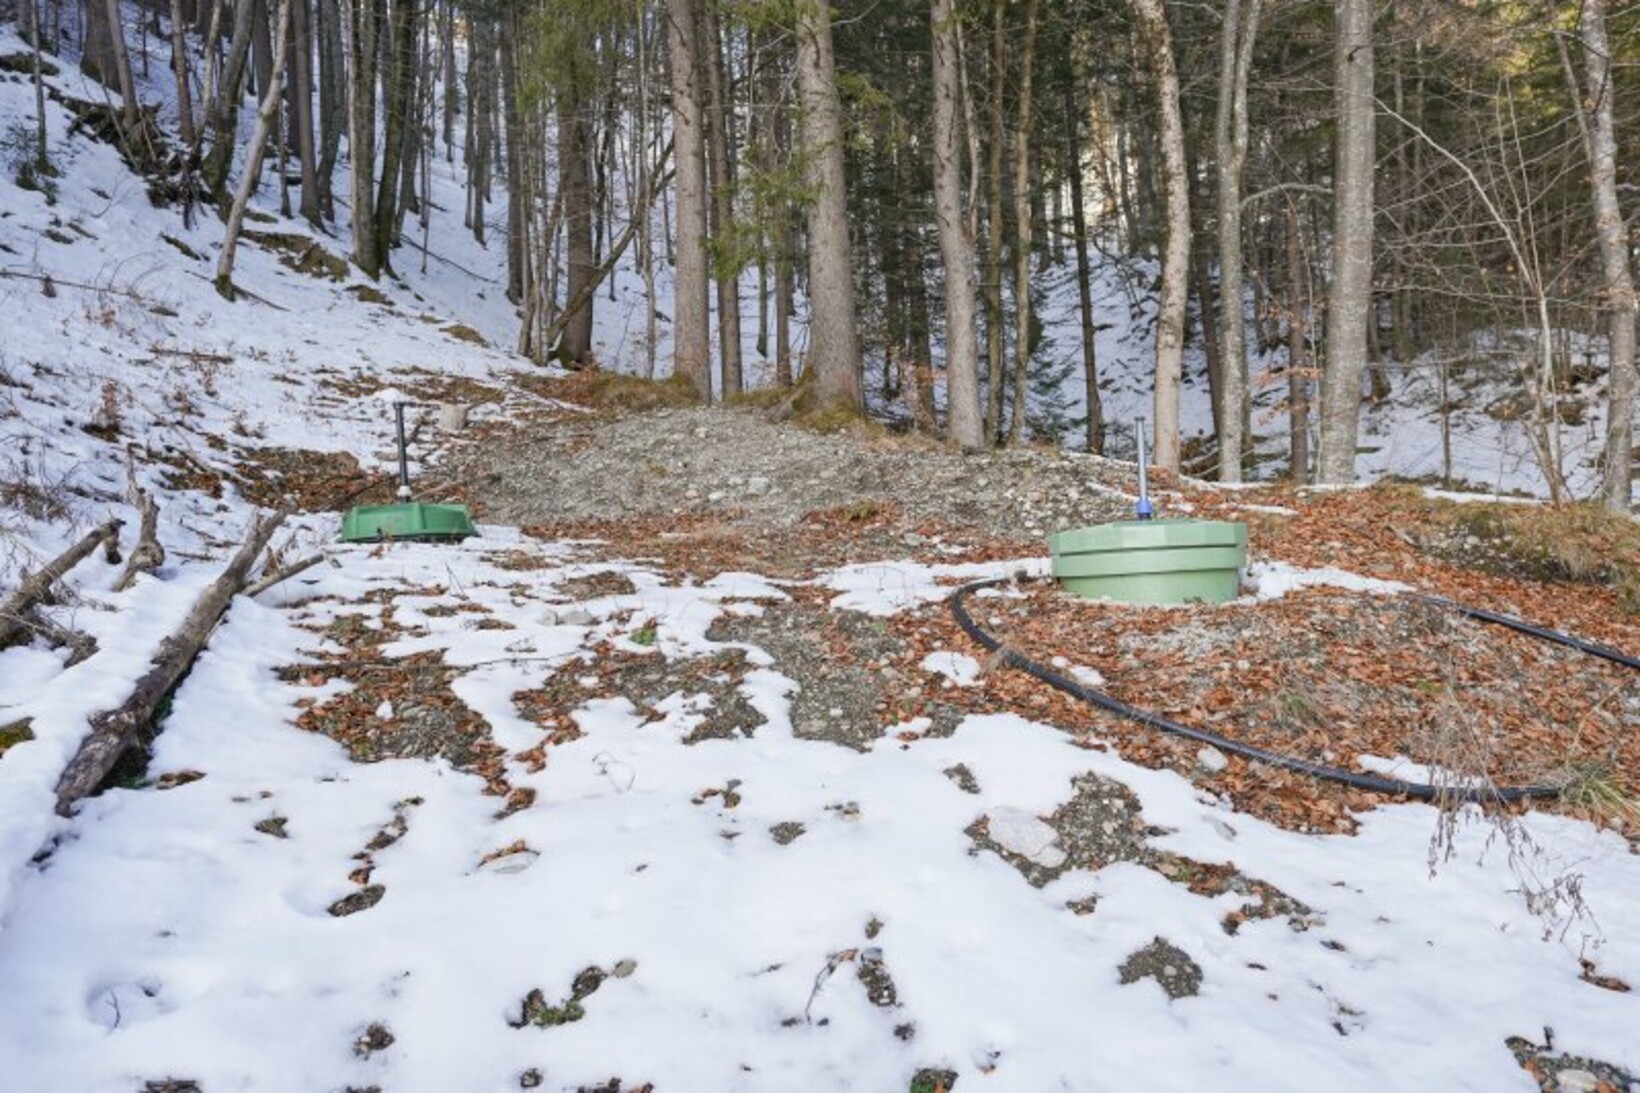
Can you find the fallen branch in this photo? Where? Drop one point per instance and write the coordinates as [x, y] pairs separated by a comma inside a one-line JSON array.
[[81, 646], [114, 731], [148, 555], [34, 590], [192, 354], [57, 282], [268, 580]]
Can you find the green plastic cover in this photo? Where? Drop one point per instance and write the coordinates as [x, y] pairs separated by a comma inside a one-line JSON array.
[[410, 520]]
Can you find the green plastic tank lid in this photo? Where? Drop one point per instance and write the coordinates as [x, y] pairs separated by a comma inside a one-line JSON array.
[[411, 520]]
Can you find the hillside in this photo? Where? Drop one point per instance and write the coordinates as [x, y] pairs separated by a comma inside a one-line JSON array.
[[682, 776]]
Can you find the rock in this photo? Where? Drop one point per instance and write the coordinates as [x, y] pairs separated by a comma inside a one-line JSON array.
[[1019, 832], [577, 616], [1576, 1081], [758, 486], [715, 496], [1211, 760], [623, 968]]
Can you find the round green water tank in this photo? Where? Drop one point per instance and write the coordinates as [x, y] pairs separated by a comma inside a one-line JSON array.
[[1152, 561]]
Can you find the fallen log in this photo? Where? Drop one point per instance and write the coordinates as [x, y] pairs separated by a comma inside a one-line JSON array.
[[114, 731], [148, 555], [33, 591]]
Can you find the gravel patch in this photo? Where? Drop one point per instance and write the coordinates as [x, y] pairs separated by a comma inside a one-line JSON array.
[[734, 461]]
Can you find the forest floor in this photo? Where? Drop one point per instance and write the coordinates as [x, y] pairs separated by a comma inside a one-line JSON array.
[[681, 777]]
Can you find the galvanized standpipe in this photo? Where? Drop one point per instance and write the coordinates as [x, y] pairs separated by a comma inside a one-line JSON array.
[[1143, 510], [404, 460]]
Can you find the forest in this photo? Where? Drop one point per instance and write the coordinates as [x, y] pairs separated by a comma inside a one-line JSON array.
[[864, 199]]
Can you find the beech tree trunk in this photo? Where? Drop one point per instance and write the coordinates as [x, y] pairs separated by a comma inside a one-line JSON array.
[[1230, 147], [691, 332], [719, 119], [253, 156], [1349, 295], [225, 111], [301, 94], [1022, 229], [364, 48], [179, 69], [575, 190], [1084, 272], [834, 353], [993, 224], [963, 417], [1176, 252], [1617, 485]]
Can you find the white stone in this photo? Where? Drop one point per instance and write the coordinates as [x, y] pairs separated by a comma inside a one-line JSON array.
[[1019, 832], [1576, 1081], [1211, 760]]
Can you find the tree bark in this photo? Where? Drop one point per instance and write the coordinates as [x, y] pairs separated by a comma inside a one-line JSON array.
[[253, 157], [179, 69], [1617, 485], [333, 114], [301, 87], [113, 731], [691, 333], [1230, 146], [397, 77], [963, 417], [1349, 295], [1298, 355], [834, 354], [364, 49], [1176, 252], [1084, 272], [719, 160], [1022, 228], [993, 223]]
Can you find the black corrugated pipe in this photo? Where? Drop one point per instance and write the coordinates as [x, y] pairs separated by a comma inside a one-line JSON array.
[[1370, 782]]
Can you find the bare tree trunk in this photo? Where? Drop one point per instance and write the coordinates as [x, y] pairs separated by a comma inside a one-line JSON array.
[[333, 115], [179, 69], [1022, 228], [574, 187], [253, 155], [834, 353], [397, 97], [1230, 146], [719, 115], [364, 49], [691, 333], [964, 420], [1298, 355], [1084, 269], [225, 111], [301, 86], [1349, 295], [1176, 254], [993, 224], [512, 118], [1617, 485]]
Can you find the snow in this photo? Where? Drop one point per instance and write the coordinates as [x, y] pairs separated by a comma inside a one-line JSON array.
[[158, 933], [1271, 580]]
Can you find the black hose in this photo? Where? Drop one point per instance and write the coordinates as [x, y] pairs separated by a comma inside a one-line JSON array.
[[1372, 783]]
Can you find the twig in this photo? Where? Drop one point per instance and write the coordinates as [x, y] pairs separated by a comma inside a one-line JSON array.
[[268, 580], [56, 282]]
